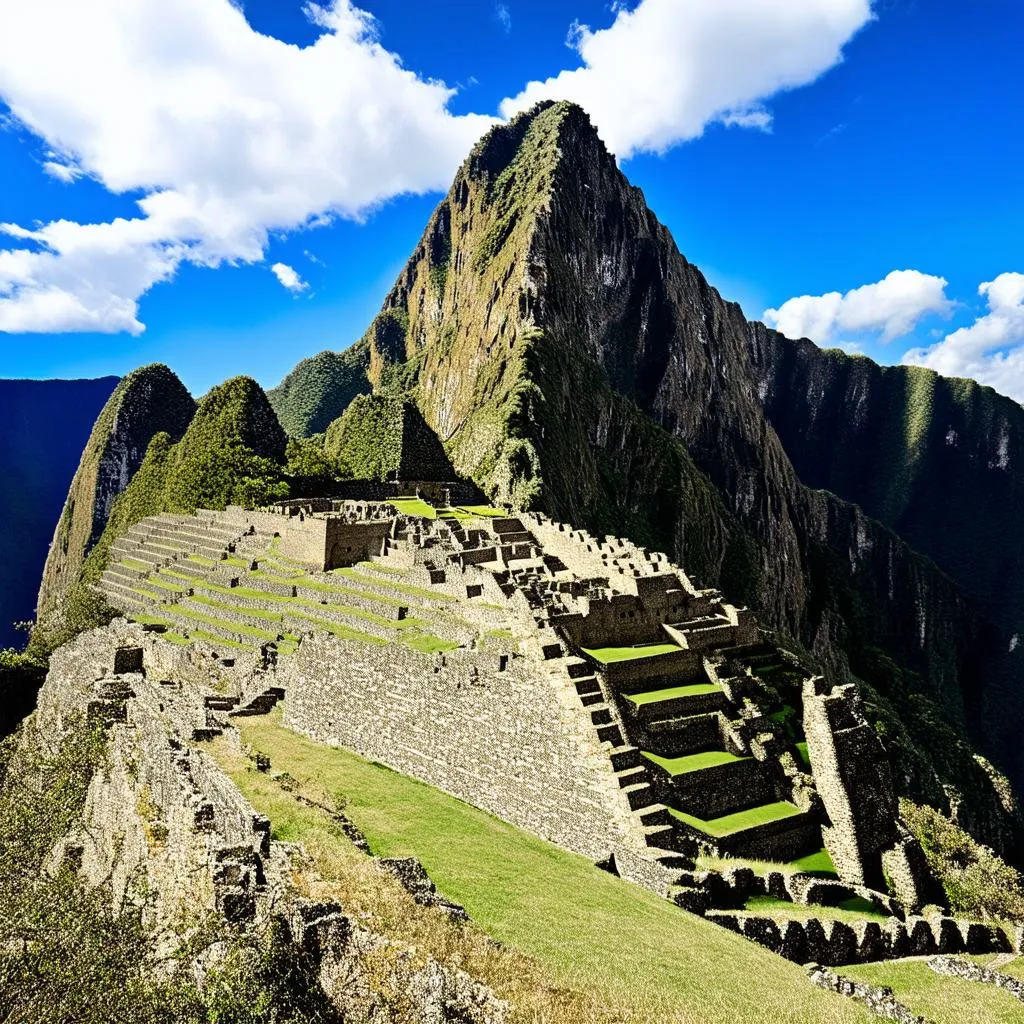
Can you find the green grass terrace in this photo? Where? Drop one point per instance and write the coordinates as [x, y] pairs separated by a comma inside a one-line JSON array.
[[611, 655]]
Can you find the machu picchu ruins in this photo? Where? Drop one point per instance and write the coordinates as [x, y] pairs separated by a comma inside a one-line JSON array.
[[582, 689], [569, 649]]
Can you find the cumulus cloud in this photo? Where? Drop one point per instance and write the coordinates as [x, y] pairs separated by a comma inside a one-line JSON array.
[[288, 277], [990, 350], [891, 307], [664, 70], [226, 133]]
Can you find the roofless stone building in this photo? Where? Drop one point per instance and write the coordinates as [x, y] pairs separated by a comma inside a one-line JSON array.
[[586, 690]]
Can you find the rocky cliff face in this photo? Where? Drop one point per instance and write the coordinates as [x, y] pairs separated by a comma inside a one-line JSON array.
[[572, 359], [144, 403], [938, 460], [44, 425]]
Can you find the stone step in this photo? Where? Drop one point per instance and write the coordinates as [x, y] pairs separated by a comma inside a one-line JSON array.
[[628, 776], [639, 795], [625, 756], [610, 733], [590, 699], [587, 685], [578, 668], [655, 814], [600, 714], [661, 836]]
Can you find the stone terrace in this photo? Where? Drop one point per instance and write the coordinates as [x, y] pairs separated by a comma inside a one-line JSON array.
[[671, 687]]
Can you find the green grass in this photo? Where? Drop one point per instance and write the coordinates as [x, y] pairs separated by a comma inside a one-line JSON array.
[[134, 563], [299, 606], [414, 507], [201, 560], [235, 627], [427, 643], [155, 580], [850, 911], [940, 999], [585, 927], [224, 606], [467, 513], [609, 655], [731, 823], [694, 762], [404, 588], [801, 751], [819, 863], [656, 696]]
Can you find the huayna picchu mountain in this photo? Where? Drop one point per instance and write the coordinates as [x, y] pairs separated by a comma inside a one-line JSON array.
[[572, 360]]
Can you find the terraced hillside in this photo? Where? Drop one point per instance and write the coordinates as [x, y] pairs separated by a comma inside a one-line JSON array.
[[210, 578]]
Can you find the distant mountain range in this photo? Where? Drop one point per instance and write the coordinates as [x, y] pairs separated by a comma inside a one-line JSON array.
[[44, 425]]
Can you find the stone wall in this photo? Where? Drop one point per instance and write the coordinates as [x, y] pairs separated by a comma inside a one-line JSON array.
[[854, 779], [511, 741]]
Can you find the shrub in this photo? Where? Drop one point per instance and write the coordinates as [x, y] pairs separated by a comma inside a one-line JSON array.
[[976, 881]]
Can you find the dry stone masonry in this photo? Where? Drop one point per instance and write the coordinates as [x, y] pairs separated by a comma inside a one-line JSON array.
[[583, 689]]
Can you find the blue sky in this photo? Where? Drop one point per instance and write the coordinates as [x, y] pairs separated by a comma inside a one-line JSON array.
[[801, 152]]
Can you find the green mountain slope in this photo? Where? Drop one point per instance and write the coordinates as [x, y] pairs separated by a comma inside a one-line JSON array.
[[148, 401], [571, 359], [319, 390]]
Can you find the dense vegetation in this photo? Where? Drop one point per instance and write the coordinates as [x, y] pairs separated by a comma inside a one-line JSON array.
[[975, 880], [233, 452], [319, 390], [44, 426], [367, 439]]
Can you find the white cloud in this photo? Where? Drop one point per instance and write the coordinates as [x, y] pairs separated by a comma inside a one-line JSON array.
[[991, 350], [62, 171], [289, 277], [228, 135], [891, 307], [502, 13], [663, 71]]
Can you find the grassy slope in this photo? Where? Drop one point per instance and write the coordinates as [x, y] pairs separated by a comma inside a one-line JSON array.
[[943, 1000], [585, 927]]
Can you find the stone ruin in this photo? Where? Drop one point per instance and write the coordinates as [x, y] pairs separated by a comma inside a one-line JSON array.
[[585, 690]]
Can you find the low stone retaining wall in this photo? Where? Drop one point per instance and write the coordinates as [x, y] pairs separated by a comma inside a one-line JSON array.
[[836, 942], [879, 1001], [490, 728], [975, 972]]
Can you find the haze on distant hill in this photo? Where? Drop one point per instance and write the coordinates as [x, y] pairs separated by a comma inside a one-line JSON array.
[[44, 425]]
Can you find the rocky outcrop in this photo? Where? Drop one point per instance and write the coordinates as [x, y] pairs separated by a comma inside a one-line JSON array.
[[146, 402], [571, 359]]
